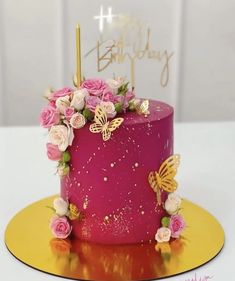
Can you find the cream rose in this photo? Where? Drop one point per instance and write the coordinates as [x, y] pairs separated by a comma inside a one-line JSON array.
[[63, 170], [77, 120], [60, 206], [62, 136], [114, 84], [62, 103], [163, 234], [48, 93], [78, 100], [109, 108], [172, 204]]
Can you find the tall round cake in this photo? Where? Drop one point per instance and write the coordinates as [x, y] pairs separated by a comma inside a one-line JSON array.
[[116, 163], [108, 180]]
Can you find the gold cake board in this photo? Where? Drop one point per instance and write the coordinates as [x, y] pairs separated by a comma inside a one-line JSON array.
[[29, 239]]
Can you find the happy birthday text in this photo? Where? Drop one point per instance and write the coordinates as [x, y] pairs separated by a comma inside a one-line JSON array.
[[115, 51]]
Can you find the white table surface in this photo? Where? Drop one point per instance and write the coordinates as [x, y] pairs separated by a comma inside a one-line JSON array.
[[206, 176]]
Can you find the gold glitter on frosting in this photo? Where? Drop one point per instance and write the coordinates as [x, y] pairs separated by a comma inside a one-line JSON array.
[[85, 203]]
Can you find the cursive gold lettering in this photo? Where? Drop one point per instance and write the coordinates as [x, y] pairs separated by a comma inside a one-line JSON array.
[[111, 51]]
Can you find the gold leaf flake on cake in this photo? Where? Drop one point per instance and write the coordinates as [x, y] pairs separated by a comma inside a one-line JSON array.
[[102, 125], [85, 203], [106, 220], [164, 178], [74, 213]]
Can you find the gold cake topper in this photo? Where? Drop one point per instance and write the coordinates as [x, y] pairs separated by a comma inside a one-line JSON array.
[[119, 51], [164, 178]]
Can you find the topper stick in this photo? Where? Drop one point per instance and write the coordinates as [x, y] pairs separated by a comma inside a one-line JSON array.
[[78, 47]]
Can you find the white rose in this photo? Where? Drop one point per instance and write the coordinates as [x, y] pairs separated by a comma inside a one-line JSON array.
[[70, 132], [60, 206], [62, 103], [78, 100], [109, 108], [77, 120], [114, 84], [172, 204], [62, 136], [163, 234]]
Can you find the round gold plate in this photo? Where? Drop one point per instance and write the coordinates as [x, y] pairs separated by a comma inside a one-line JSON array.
[[28, 238]]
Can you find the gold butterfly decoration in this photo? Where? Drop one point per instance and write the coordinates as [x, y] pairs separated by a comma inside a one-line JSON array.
[[102, 125], [74, 212], [164, 178], [143, 108]]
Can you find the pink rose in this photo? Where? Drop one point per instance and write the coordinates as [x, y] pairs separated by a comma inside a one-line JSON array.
[[127, 98], [176, 225], [107, 95], [60, 227], [49, 116], [95, 87], [61, 93], [68, 112], [92, 102], [118, 99], [53, 152], [52, 103]]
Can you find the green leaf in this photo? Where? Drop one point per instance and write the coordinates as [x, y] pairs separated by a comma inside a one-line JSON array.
[[66, 156], [118, 107], [165, 221], [49, 207], [123, 89], [87, 114]]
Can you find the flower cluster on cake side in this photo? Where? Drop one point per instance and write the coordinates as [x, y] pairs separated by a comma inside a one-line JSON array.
[[98, 102], [163, 180], [173, 224], [64, 213]]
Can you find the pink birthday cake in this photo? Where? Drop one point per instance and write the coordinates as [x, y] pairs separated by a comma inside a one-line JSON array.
[[116, 163]]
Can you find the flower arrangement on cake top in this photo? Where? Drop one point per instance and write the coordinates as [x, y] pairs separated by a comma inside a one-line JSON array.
[[69, 109]]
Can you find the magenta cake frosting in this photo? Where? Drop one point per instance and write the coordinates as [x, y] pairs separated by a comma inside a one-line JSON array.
[[107, 180]]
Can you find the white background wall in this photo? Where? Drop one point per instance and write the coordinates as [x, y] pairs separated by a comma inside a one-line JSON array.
[[37, 49]]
